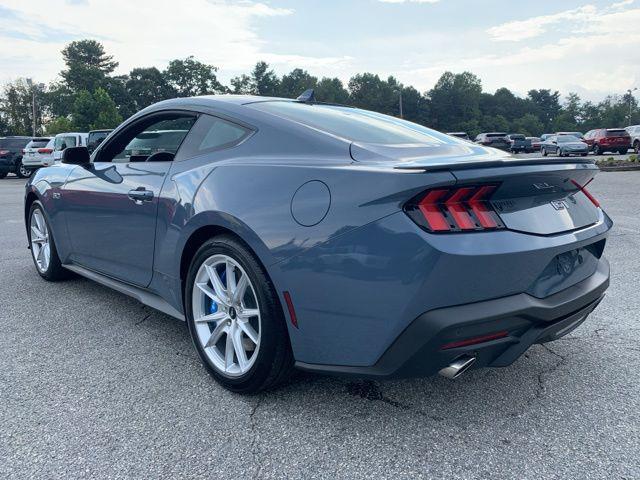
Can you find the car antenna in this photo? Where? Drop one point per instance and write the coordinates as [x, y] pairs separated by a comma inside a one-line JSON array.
[[307, 96]]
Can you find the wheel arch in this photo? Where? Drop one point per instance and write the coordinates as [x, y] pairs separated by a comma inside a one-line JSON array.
[[204, 233]]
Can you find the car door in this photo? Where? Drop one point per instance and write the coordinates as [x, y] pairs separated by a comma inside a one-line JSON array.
[[111, 204]]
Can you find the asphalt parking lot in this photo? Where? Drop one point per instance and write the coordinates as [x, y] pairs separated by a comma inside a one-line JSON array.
[[94, 384]]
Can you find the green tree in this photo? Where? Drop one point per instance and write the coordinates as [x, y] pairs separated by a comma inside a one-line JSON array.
[[369, 91], [93, 111], [87, 65], [16, 107], [147, 86], [296, 82], [116, 87], [547, 106], [331, 90], [59, 125], [264, 80], [189, 77], [455, 100], [528, 124]]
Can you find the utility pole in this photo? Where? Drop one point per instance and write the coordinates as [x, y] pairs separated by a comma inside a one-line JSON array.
[[630, 92], [400, 102], [33, 105]]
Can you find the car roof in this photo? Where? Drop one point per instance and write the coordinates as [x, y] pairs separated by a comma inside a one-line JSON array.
[[71, 133], [100, 130]]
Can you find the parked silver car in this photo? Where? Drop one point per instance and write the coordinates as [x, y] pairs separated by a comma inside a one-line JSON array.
[[634, 132], [563, 146]]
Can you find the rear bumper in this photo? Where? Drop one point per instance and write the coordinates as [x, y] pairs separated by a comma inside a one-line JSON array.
[[527, 320]]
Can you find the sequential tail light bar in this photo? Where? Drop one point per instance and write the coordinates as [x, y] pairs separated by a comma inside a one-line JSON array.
[[458, 209]]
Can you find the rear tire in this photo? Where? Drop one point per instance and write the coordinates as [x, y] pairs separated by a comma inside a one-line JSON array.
[[273, 364], [597, 150], [636, 147], [623, 151], [43, 246], [2, 175], [21, 171]]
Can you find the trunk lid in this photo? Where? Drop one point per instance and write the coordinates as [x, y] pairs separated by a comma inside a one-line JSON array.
[[534, 195]]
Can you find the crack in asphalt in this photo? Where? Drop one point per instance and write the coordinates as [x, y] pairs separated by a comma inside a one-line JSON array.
[[254, 439], [143, 320], [370, 390]]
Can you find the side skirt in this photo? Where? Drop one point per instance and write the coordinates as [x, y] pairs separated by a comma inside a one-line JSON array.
[[143, 296]]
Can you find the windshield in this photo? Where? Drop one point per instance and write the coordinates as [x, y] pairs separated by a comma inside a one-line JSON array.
[[516, 137], [355, 124], [567, 139]]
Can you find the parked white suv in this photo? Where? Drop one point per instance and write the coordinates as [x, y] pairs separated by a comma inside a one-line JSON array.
[[69, 139], [634, 132], [38, 153]]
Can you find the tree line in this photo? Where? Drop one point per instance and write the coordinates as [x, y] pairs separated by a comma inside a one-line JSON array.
[[88, 95]]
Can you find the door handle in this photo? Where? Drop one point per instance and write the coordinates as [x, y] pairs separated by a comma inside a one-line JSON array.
[[140, 195]]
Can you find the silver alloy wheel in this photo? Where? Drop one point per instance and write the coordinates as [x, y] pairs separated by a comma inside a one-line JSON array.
[[25, 172], [226, 315], [40, 247]]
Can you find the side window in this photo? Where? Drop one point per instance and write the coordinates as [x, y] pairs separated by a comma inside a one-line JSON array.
[[60, 143], [156, 139], [210, 134]]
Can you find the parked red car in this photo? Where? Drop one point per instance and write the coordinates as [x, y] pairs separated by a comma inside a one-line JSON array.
[[603, 140]]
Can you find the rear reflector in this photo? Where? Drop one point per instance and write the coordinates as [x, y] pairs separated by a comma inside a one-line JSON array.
[[292, 312], [475, 340], [455, 209]]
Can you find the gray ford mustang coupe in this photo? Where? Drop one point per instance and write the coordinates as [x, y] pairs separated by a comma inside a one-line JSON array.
[[294, 234]]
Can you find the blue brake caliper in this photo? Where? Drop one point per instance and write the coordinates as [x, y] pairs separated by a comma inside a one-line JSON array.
[[213, 306]]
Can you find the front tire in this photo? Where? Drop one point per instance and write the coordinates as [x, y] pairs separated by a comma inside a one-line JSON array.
[[543, 151], [43, 247], [235, 319], [597, 150], [636, 147]]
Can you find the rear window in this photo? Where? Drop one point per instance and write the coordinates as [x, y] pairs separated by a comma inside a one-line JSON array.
[[496, 135], [618, 132], [38, 143], [517, 137], [533, 139], [13, 143], [355, 124]]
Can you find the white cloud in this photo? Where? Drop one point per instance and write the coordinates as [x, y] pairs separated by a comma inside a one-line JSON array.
[[139, 33], [568, 20], [594, 59]]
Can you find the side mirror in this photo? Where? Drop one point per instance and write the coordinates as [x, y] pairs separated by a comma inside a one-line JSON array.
[[75, 156]]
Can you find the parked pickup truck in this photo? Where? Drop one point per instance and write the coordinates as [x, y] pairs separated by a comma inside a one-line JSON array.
[[519, 143]]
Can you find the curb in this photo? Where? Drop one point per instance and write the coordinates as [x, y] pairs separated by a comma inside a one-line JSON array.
[[619, 168]]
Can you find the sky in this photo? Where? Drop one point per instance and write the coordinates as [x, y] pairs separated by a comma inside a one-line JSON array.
[[592, 48]]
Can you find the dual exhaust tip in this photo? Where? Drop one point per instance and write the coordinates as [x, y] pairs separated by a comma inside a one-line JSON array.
[[457, 367]]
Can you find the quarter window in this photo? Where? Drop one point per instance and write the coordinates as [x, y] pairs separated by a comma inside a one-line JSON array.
[[210, 134]]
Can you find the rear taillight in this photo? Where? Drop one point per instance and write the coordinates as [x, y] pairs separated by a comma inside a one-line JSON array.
[[461, 209], [583, 189], [45, 150], [4, 152]]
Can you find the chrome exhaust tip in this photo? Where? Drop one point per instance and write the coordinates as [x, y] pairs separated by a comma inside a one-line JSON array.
[[457, 367]]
